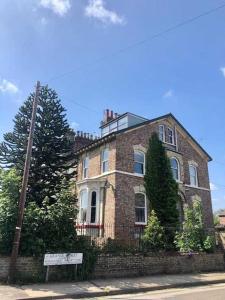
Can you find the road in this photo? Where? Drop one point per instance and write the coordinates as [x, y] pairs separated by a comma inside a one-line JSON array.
[[209, 292]]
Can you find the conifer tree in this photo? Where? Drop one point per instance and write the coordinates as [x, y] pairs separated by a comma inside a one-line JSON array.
[[154, 235], [161, 188], [52, 154]]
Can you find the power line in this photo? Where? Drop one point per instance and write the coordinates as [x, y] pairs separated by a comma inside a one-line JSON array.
[[147, 40]]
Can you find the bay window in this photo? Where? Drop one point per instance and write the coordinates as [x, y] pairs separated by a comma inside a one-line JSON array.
[[83, 206]]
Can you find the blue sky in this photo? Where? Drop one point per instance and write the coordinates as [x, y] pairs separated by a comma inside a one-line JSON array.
[[182, 71]]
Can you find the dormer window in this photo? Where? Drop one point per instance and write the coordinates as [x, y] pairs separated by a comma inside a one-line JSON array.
[[162, 133], [170, 136]]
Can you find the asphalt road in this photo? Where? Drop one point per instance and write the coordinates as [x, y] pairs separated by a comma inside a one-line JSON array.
[[209, 292]]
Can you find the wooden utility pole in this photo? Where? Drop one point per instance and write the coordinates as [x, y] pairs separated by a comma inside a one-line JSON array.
[[22, 200]]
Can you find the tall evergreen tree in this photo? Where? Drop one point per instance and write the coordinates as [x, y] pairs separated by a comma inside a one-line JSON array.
[[161, 188], [52, 154]]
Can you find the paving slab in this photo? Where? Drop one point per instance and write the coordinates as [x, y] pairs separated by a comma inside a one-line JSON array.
[[105, 287]]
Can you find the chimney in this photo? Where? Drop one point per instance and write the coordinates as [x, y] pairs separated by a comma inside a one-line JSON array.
[[108, 116]]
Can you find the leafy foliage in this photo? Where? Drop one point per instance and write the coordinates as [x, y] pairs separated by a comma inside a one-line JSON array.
[[161, 188], [9, 196], [52, 154], [46, 228], [193, 237], [216, 219], [154, 235]]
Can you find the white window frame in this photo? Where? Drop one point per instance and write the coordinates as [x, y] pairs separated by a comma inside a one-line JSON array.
[[96, 206], [140, 223], [80, 206], [85, 167], [139, 151], [178, 167], [103, 161], [163, 133], [169, 129], [196, 175]]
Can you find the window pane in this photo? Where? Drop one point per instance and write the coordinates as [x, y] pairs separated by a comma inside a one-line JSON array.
[[105, 166], [175, 174], [138, 157], [139, 168], [140, 208], [93, 199], [105, 154], [193, 175], [113, 127], [174, 168], [139, 197], [122, 121], [85, 167], [105, 130], [161, 133], [139, 215], [170, 136], [93, 214], [83, 206]]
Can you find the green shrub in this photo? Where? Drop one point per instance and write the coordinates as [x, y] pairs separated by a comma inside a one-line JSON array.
[[154, 235], [192, 236]]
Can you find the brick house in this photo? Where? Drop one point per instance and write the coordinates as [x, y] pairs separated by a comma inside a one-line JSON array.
[[111, 168]]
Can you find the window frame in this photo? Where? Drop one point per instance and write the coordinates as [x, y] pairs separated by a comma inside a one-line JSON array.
[[145, 208], [85, 168], [169, 129], [80, 207], [196, 175], [178, 168], [104, 161], [93, 206], [140, 152], [163, 133]]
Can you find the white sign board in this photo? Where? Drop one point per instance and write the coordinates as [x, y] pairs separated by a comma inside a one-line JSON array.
[[63, 259]]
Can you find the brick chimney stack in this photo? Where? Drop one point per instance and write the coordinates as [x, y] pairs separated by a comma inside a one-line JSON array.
[[82, 139], [109, 115]]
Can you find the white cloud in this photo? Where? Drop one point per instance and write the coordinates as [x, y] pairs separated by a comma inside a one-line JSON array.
[[59, 7], [222, 69], [168, 94], [213, 187], [96, 9], [8, 87]]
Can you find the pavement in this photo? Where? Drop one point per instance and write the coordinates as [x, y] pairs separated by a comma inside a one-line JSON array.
[[209, 292], [107, 287]]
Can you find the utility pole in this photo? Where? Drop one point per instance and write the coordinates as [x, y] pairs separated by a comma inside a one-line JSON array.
[[22, 200]]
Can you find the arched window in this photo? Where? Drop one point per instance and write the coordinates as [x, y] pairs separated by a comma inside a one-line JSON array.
[[193, 175], [139, 162], [175, 167], [93, 206], [83, 206], [140, 208]]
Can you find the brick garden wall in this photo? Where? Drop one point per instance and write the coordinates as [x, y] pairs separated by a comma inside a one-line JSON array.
[[108, 265], [136, 265], [29, 268]]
